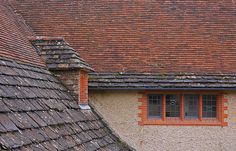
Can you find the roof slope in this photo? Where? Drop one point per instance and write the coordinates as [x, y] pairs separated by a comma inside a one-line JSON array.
[[38, 113], [141, 36], [163, 81], [13, 37]]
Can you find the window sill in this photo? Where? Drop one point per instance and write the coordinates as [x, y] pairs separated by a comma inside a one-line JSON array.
[[186, 122]]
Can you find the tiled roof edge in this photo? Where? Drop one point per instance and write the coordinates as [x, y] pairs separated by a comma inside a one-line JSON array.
[[22, 63], [49, 112], [58, 54], [183, 81], [112, 131]]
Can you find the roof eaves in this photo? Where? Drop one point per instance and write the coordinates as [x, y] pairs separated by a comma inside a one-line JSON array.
[[182, 81]]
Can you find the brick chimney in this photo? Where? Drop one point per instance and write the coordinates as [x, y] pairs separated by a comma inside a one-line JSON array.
[[65, 63]]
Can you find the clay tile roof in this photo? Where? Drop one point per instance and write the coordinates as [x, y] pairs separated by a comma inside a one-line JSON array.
[[57, 53], [142, 36], [36, 111], [13, 37]]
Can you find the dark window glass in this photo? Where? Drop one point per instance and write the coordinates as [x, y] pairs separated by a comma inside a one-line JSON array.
[[172, 105], [154, 105], [191, 106], [209, 105]]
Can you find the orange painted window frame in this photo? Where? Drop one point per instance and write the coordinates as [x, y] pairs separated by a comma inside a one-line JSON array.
[[200, 121]]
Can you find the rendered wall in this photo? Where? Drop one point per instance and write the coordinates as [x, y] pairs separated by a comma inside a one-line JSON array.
[[120, 110]]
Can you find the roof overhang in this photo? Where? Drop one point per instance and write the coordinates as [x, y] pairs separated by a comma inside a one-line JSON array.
[[150, 81]]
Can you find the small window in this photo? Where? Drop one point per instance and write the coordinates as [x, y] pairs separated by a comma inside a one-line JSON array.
[[154, 106], [178, 108], [209, 106], [191, 106], [172, 105]]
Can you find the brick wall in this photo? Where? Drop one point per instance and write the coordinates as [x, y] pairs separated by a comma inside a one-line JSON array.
[[70, 79], [77, 82], [83, 87]]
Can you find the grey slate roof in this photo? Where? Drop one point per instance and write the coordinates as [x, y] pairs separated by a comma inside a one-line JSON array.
[[58, 54], [38, 113], [162, 81]]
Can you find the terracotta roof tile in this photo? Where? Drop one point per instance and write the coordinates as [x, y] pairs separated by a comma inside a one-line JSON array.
[[13, 38], [141, 36]]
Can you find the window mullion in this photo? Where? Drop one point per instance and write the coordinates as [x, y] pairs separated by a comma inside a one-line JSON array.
[[182, 108], [200, 108]]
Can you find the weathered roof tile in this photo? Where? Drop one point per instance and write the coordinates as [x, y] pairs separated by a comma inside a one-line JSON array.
[[73, 114], [50, 132], [37, 147], [70, 141], [37, 118], [6, 122], [162, 81], [46, 117], [35, 103], [90, 146], [49, 146], [2, 129], [24, 120], [56, 144], [58, 54], [40, 114], [77, 139], [3, 107], [65, 117], [82, 137], [6, 141], [25, 140]]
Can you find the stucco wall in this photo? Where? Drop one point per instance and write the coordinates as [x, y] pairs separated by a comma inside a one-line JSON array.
[[120, 110]]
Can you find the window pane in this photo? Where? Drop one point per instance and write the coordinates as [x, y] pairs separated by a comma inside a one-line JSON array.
[[209, 105], [172, 105], [154, 105], [191, 106]]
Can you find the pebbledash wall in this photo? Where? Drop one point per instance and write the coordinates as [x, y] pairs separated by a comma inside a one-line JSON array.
[[120, 110]]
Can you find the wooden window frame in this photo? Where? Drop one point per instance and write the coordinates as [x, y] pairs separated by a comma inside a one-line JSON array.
[[200, 121]]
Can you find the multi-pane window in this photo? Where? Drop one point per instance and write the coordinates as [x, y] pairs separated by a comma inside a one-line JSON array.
[[208, 106], [172, 105], [182, 106], [191, 106], [154, 106]]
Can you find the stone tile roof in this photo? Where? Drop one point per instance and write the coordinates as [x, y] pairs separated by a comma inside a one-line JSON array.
[[162, 81], [57, 54], [38, 113], [141, 36]]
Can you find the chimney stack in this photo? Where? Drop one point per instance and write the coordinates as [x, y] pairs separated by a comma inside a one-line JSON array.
[[64, 62]]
